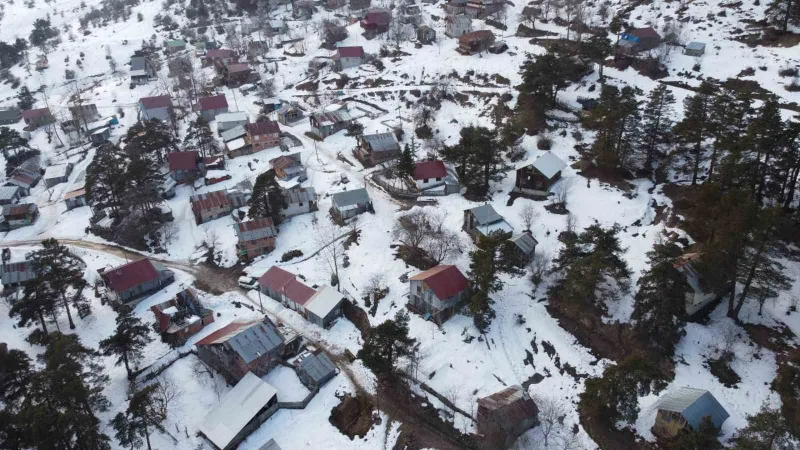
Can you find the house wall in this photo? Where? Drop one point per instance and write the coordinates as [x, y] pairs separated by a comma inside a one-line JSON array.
[[324, 322], [295, 209], [668, 424], [695, 301], [210, 114], [429, 183], [156, 113], [75, 202], [139, 290], [351, 212], [209, 214], [346, 62], [255, 423], [456, 30], [260, 142]]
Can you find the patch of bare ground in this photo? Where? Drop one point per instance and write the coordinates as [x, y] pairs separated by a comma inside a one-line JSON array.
[[354, 416], [414, 258], [614, 177]]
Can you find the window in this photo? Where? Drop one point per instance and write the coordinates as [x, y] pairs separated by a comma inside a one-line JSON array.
[[439, 179], [425, 180], [301, 203], [419, 289]]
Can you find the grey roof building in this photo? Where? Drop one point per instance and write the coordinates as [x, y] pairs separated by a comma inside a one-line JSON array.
[[483, 220], [270, 445], [377, 148], [14, 274], [314, 370], [351, 203], [9, 194], [525, 243], [684, 409], [695, 49], [10, 115]]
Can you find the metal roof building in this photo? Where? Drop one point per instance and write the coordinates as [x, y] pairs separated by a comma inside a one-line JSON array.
[[549, 165], [315, 370], [17, 273], [525, 242], [249, 339], [382, 142], [694, 404], [350, 198]]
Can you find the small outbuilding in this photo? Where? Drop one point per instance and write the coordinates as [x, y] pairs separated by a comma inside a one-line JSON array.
[[426, 35], [210, 107], [314, 369], [695, 48], [231, 120], [483, 221], [57, 174], [504, 416], [524, 245], [10, 115], [378, 148], [349, 204], [10, 194], [684, 410], [324, 306]]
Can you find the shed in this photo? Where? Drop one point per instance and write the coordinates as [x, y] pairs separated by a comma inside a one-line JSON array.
[[538, 177], [525, 244], [324, 306], [10, 194], [378, 148], [10, 115], [16, 273], [233, 133], [351, 203], [695, 48], [54, 175], [240, 412], [483, 220], [684, 409], [230, 121], [315, 369], [505, 415]]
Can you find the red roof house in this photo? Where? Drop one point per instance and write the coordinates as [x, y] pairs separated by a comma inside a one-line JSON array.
[[438, 291], [284, 287], [298, 292], [274, 280], [135, 280], [36, 117], [159, 101], [209, 107], [264, 134], [350, 52], [429, 169], [377, 20], [185, 166]]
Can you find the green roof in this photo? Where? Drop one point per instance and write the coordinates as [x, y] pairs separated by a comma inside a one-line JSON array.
[[176, 43]]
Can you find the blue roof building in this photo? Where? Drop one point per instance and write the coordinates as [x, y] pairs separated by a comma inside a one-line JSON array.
[[684, 409]]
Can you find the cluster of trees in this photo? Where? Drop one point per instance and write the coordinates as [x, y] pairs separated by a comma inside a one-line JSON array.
[[425, 237], [42, 32], [12, 54], [478, 160], [200, 137], [783, 13], [493, 255], [387, 344], [267, 198], [15, 149]]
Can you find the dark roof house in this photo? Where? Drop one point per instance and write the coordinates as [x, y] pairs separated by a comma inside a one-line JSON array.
[[503, 416], [351, 203]]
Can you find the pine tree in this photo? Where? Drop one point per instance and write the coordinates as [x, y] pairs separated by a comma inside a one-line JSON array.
[[143, 179], [127, 433], [696, 126], [660, 304], [730, 117], [615, 26], [153, 138], [543, 76], [766, 134], [200, 137], [782, 13], [656, 123], [38, 300], [406, 164], [477, 159], [15, 373], [25, 100], [11, 141], [766, 430], [386, 343], [355, 129], [617, 121], [129, 339], [61, 269], [267, 199], [485, 265], [143, 413], [105, 178], [597, 48]]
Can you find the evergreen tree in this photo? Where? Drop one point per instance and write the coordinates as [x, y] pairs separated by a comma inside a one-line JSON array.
[[61, 269], [766, 430], [660, 305], [15, 373], [142, 179], [656, 123], [200, 137], [787, 166], [106, 184], [478, 160], [42, 32], [730, 117], [25, 100], [543, 76], [126, 432], [597, 48], [615, 26], [11, 141], [406, 164], [783, 13], [766, 134], [386, 343], [129, 339], [696, 126], [152, 137], [38, 300], [267, 199], [617, 121], [355, 129], [143, 413], [486, 262], [615, 396]]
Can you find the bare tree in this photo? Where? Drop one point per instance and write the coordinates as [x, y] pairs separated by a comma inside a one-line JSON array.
[[571, 223], [528, 215], [207, 377], [331, 250], [170, 232], [413, 228], [443, 246], [551, 418], [539, 265], [562, 190], [375, 283], [451, 393], [167, 390]]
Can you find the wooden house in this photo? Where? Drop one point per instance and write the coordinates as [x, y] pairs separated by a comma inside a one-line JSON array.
[[638, 40], [426, 35], [10, 195], [57, 174], [289, 115], [287, 167], [330, 121], [437, 292], [210, 107], [35, 118], [157, 107], [538, 177], [684, 409], [242, 346], [504, 416], [475, 42], [210, 206], [524, 246], [349, 204], [131, 282], [376, 21], [298, 200], [75, 198], [235, 75], [18, 216], [255, 238], [374, 149], [185, 166], [457, 26], [484, 221]]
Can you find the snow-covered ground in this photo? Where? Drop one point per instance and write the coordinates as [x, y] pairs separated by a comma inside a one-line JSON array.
[[448, 362]]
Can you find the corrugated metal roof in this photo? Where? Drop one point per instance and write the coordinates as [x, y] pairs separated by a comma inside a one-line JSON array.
[[694, 45], [549, 164], [485, 215], [249, 339], [131, 274], [8, 192], [209, 200], [298, 292], [382, 142], [525, 242], [213, 102], [17, 272], [317, 367], [324, 301], [159, 101], [262, 128], [299, 195], [347, 198], [253, 230], [429, 169], [444, 280], [183, 160], [236, 409], [694, 404], [275, 278], [232, 117]]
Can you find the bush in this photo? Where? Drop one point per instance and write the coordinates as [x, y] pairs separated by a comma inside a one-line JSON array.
[[545, 142], [788, 72], [69, 74], [291, 254]]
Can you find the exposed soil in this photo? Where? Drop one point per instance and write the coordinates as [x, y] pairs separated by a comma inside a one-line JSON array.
[[721, 369], [353, 416]]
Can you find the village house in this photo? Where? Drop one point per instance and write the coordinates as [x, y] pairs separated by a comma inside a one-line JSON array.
[[283, 287], [481, 9], [181, 317], [210, 107], [683, 410], [324, 307], [75, 198], [289, 114], [638, 40], [302, 9], [255, 238], [99, 136], [347, 57], [266, 134], [475, 42], [287, 167], [537, 178], [231, 120], [57, 174], [411, 14], [219, 57], [328, 122], [504, 416], [10, 195], [695, 48], [437, 292], [26, 176], [456, 8], [210, 206], [242, 346], [157, 107], [429, 174], [235, 75], [240, 412], [142, 70], [132, 282], [15, 274], [697, 298], [174, 46], [298, 200], [349, 204], [374, 149], [525, 246], [271, 105], [237, 132], [276, 27], [483, 221], [457, 26], [185, 166], [35, 118], [376, 22], [314, 369], [18, 216], [10, 115], [426, 35], [239, 146], [167, 187]]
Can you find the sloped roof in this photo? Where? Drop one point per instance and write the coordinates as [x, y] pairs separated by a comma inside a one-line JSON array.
[[485, 214], [298, 292], [219, 53], [275, 278], [213, 102], [238, 407], [159, 101], [236, 116], [525, 242], [249, 339], [270, 445], [131, 274], [351, 52], [232, 134], [347, 198], [694, 45], [511, 404], [183, 160], [382, 142], [694, 404], [429, 169], [237, 68], [36, 113], [209, 200], [282, 162], [11, 113], [75, 193], [8, 192], [549, 164], [479, 35], [261, 128], [252, 230], [444, 280], [646, 32], [317, 367], [19, 210], [299, 195], [324, 301], [57, 171], [459, 19]]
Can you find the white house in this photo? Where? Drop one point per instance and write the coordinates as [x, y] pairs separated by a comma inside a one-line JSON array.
[[457, 26], [299, 201], [428, 174], [230, 120]]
